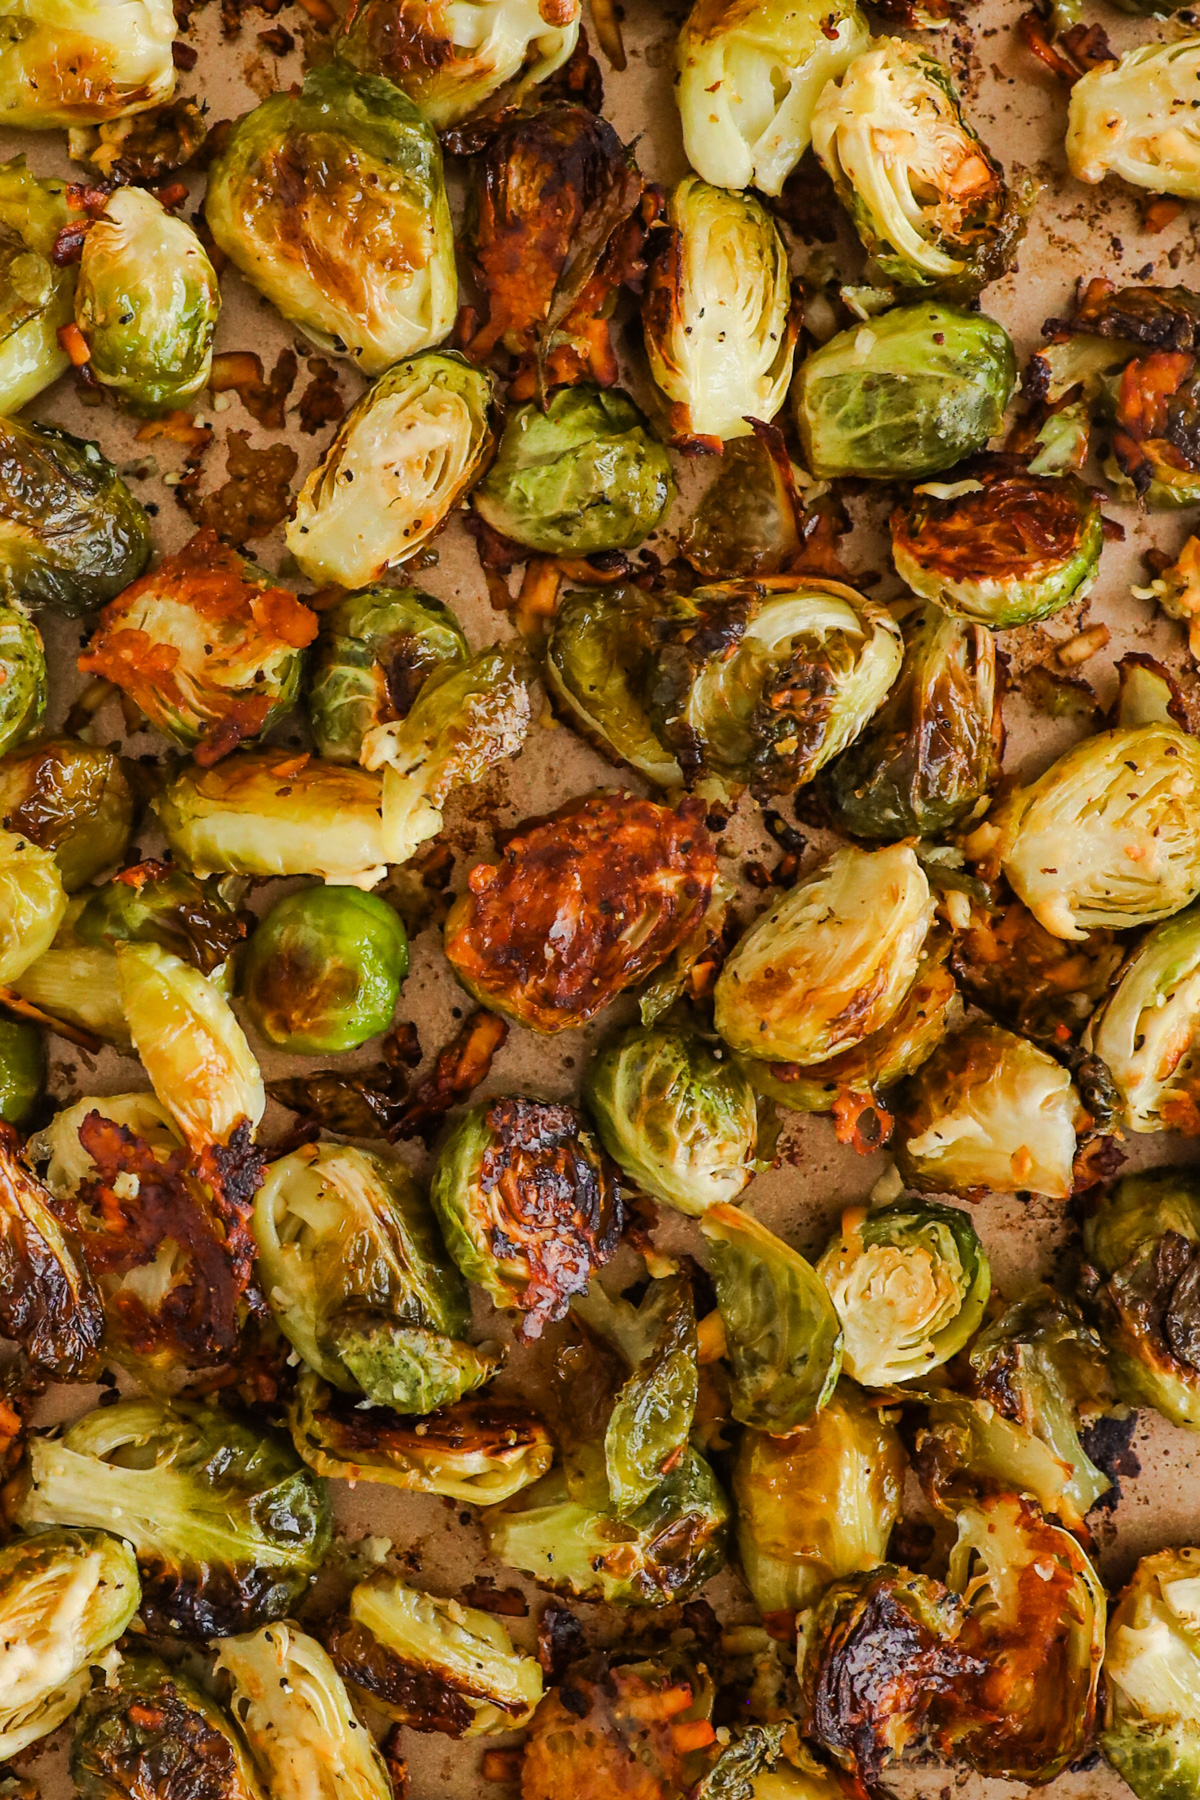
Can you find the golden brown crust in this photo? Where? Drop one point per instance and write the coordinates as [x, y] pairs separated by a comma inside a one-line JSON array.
[[1015, 524]]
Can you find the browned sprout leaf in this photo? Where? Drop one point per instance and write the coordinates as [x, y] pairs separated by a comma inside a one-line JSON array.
[[1043, 986], [145, 146], [321, 402], [460, 1067], [48, 1301]]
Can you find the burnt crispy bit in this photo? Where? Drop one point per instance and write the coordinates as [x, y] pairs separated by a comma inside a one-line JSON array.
[[1011, 526], [241, 372], [145, 146], [1161, 318], [621, 1732], [460, 1067], [48, 1301], [560, 1641], [255, 497], [422, 1694]]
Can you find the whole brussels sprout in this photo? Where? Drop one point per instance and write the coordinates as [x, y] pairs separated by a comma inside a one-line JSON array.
[[22, 677], [402, 458], [36, 294], [909, 394], [77, 983], [909, 1284], [323, 970], [71, 533], [675, 1116], [748, 79], [831, 961], [782, 1335], [227, 1526], [72, 799], [764, 682], [926, 758], [147, 303], [717, 314], [85, 62], [1151, 1727], [32, 904], [528, 1204], [374, 651], [1002, 547], [147, 1730], [331, 203], [153, 903], [819, 1504], [988, 1111], [452, 63], [1122, 119], [599, 658], [583, 475], [430, 1664], [65, 1597], [1145, 1031], [49, 1304], [22, 1070], [927, 198]]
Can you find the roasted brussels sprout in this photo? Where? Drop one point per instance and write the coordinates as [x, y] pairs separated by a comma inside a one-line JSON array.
[[323, 970], [926, 758], [153, 903], [910, 1284], [403, 457], [819, 1504], [1109, 835], [22, 1070], [453, 62], [71, 533], [783, 1339], [146, 303], [227, 1527], [927, 198], [765, 682], [296, 1716], [76, 984], [72, 799], [48, 1301], [988, 1110], [751, 519], [150, 1730], [912, 393], [1128, 119], [331, 202], [584, 475], [598, 661], [675, 1116], [374, 651], [84, 63], [32, 904], [1153, 411], [529, 1205], [718, 319], [1151, 1726], [22, 676], [430, 1664], [634, 878], [65, 1597], [1002, 547], [36, 293], [830, 962], [1146, 1030]]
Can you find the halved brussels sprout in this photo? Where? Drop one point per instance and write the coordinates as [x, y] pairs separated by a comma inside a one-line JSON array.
[[528, 1204], [37, 295], [48, 1301], [925, 759], [430, 1664], [331, 202], [148, 1730], [719, 324], [750, 520], [22, 674], [73, 799], [782, 1335], [295, 1714], [77, 984], [965, 1449], [65, 1597], [452, 59], [71, 533], [910, 1284], [227, 1526], [765, 682], [323, 970], [927, 198], [909, 394], [32, 904], [1151, 1729], [84, 62], [147, 303], [819, 1504], [830, 962], [67, 1164], [988, 1111], [402, 458], [1146, 1030], [1127, 118], [585, 474], [408, 1368], [747, 81], [1003, 547], [676, 1116], [599, 658], [373, 652], [152, 903], [22, 1070]]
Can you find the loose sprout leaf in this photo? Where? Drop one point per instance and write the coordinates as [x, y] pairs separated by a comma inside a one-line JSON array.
[[48, 1301]]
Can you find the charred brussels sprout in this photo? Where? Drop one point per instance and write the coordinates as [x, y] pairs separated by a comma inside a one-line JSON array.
[[65, 1597], [155, 904], [584, 475], [86, 62], [910, 1285], [1146, 1030], [147, 303], [331, 202], [819, 1504], [910, 394], [404, 456], [931, 752], [150, 1729], [529, 1205], [48, 1301], [1151, 1726], [22, 1070], [1127, 118], [676, 1117], [71, 799], [32, 904], [750, 519], [783, 1339], [1003, 547], [374, 651], [323, 970], [22, 677], [227, 1527], [717, 314], [36, 294], [598, 662]]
